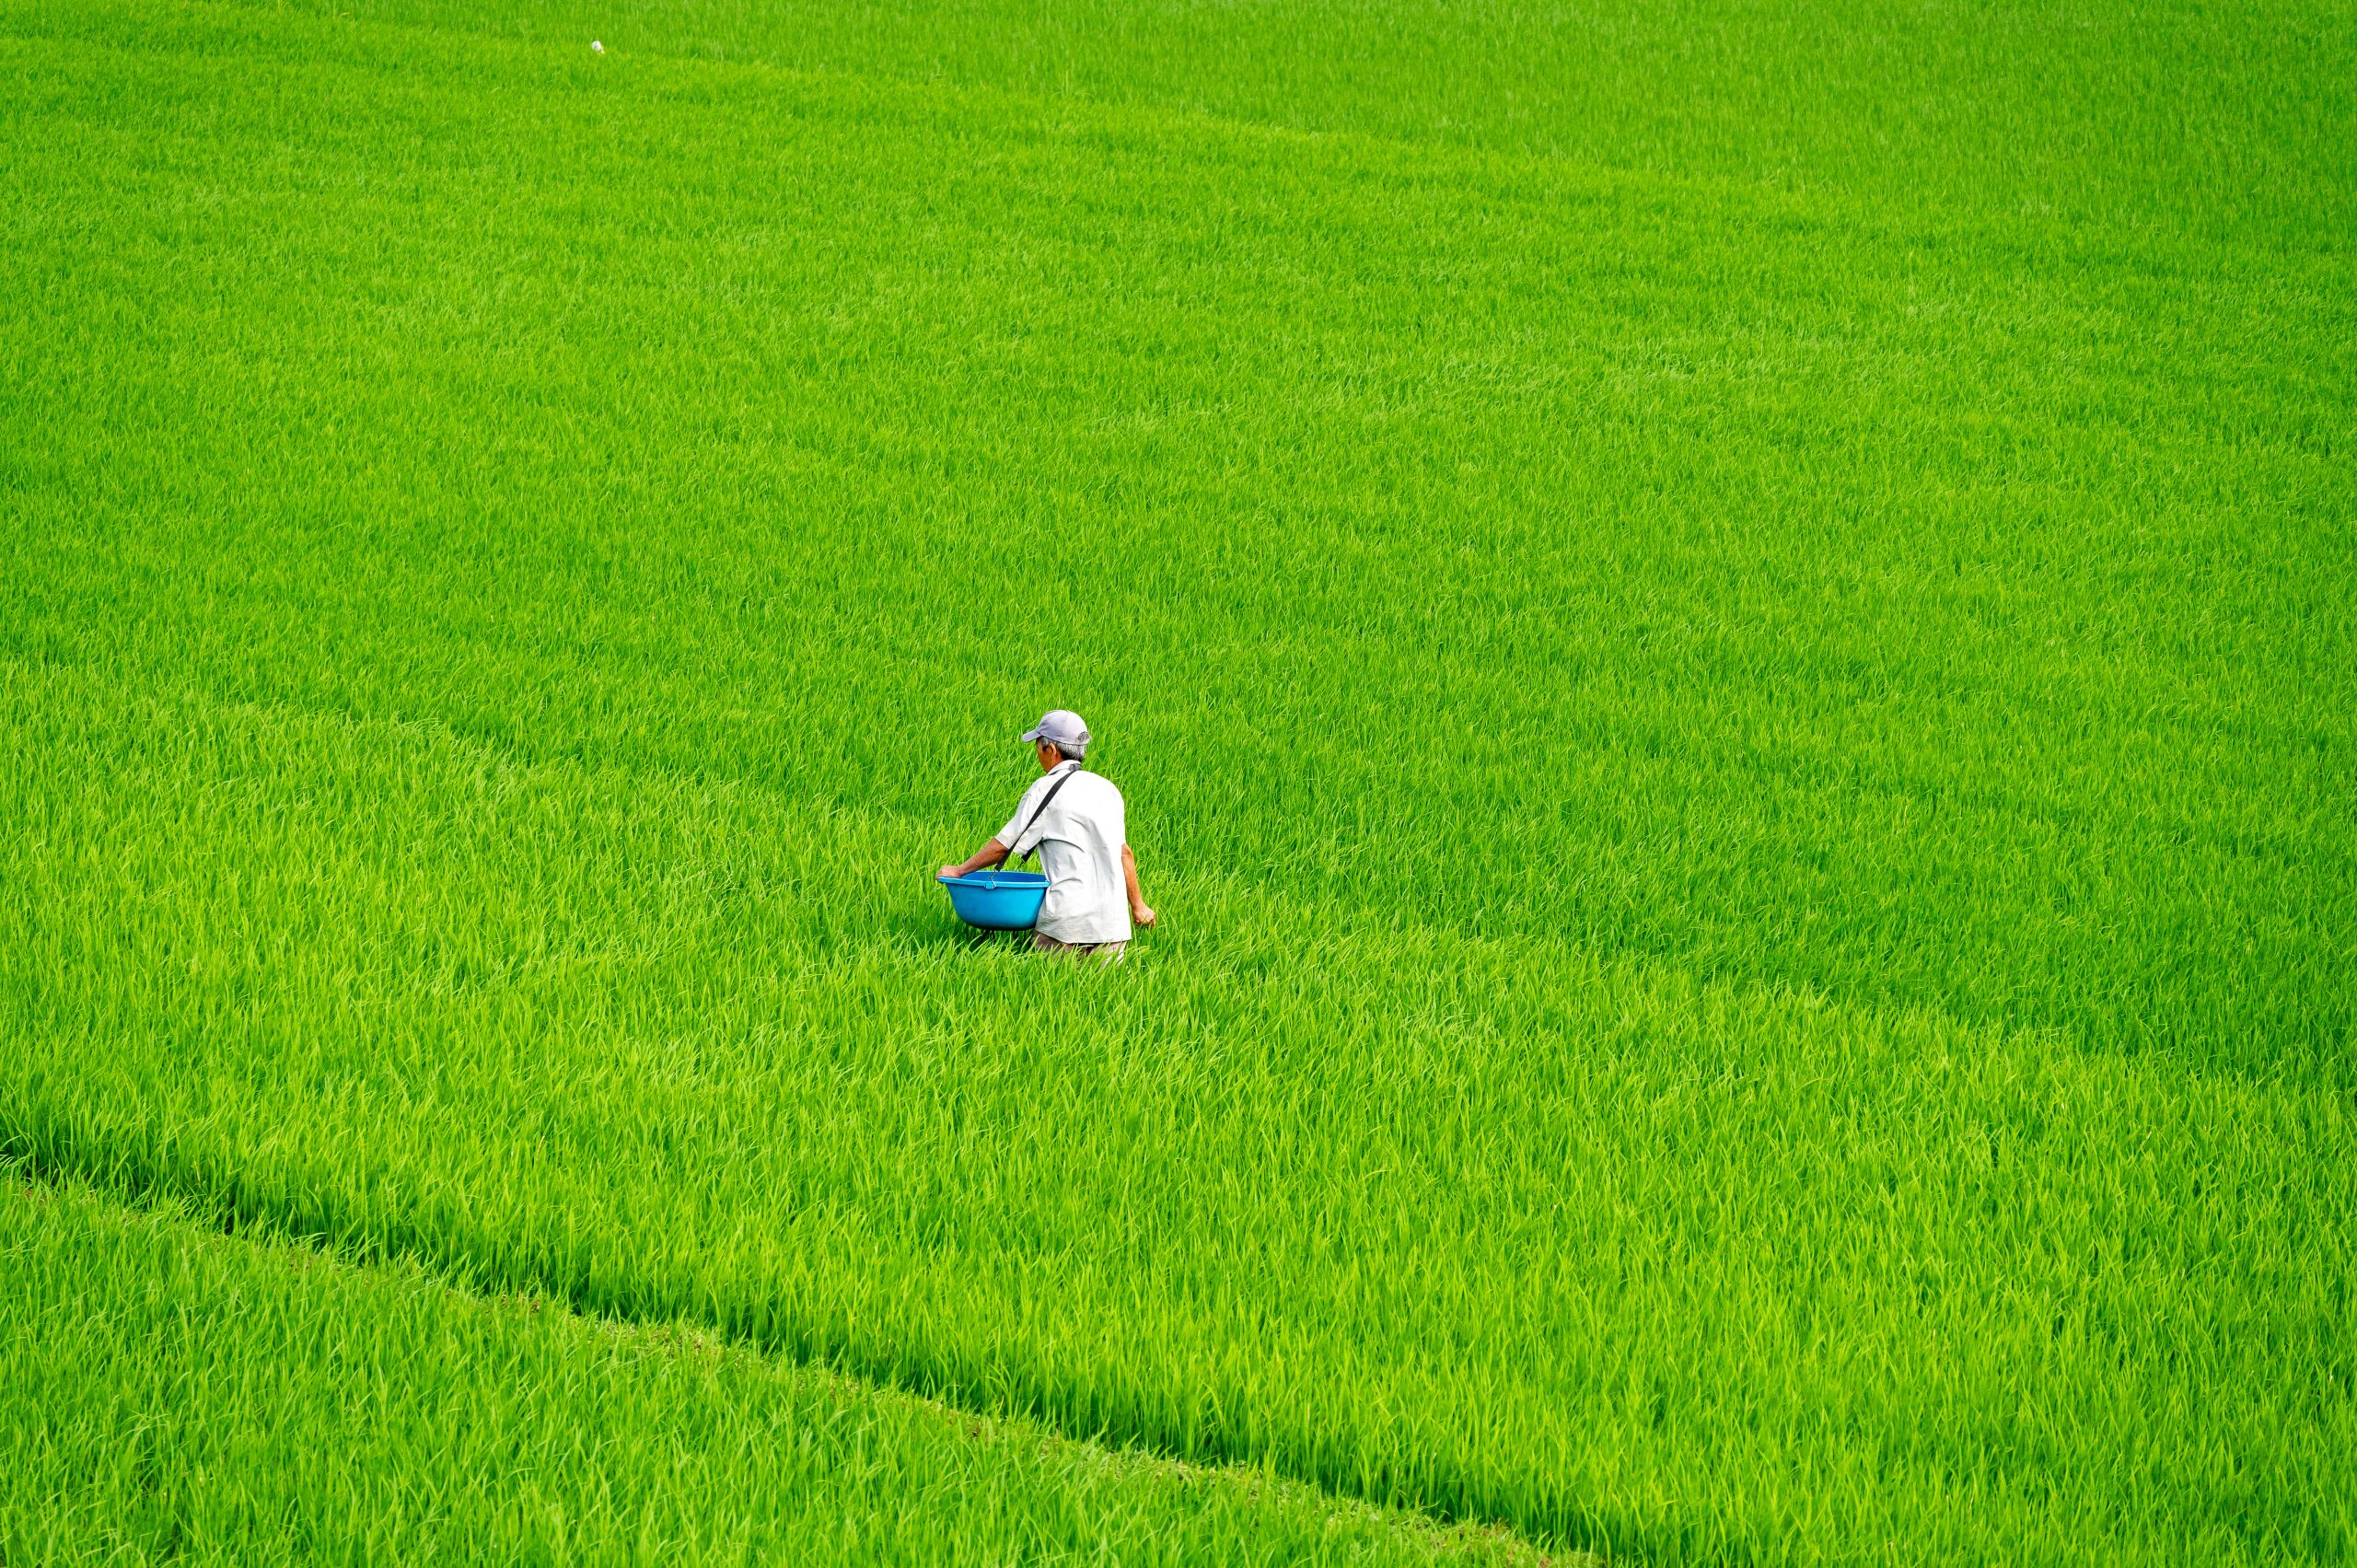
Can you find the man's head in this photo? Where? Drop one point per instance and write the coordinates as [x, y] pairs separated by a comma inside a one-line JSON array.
[[1060, 736]]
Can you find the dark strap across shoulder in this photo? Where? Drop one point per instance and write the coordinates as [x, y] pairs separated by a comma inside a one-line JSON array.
[[1044, 802]]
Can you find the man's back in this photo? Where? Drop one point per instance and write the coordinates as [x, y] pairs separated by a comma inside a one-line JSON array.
[[1079, 834]]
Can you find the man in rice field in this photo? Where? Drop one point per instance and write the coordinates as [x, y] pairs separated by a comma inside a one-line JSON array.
[[1074, 818]]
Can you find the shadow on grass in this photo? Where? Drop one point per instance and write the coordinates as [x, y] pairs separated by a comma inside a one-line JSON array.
[[933, 932]]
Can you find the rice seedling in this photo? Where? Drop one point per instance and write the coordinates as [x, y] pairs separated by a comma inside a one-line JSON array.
[[207, 1399]]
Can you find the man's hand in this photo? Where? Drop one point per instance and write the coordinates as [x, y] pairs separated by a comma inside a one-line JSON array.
[[992, 853], [1139, 910]]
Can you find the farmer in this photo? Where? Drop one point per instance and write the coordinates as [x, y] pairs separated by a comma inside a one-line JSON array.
[[1074, 818]]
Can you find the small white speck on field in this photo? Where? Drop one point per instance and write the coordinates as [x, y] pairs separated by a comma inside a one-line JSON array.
[[595, 47]]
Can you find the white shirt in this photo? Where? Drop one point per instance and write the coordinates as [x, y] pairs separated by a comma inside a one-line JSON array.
[[1080, 837]]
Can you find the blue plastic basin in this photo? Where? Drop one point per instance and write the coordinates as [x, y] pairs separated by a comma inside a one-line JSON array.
[[998, 900]]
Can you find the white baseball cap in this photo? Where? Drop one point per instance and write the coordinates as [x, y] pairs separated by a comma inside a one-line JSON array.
[[1061, 728]]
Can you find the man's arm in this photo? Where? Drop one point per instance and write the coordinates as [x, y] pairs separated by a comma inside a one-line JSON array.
[[1138, 911], [992, 853]]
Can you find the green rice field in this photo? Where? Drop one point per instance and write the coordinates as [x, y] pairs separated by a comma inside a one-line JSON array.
[[1730, 630]]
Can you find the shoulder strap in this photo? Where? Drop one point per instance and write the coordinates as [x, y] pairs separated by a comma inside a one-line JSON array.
[[1044, 801]]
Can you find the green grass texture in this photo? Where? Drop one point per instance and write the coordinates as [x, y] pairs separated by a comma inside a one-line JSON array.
[[1728, 643], [200, 1399], [2222, 120]]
